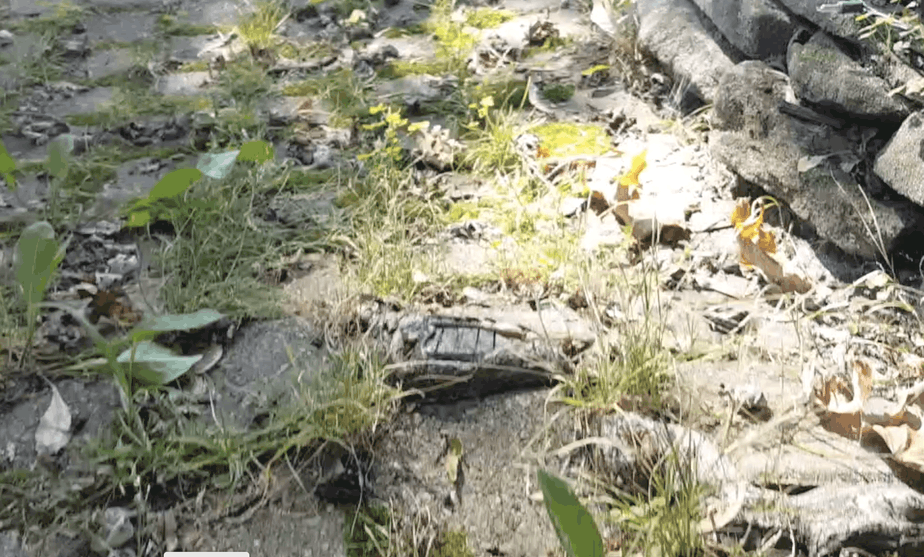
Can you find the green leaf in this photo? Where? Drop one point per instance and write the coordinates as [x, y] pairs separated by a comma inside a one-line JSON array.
[[38, 258], [257, 151], [174, 183], [59, 154], [217, 165], [574, 525], [159, 365], [184, 322], [595, 69], [138, 219], [7, 167]]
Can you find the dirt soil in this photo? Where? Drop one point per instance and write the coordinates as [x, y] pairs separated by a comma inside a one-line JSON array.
[[735, 341]]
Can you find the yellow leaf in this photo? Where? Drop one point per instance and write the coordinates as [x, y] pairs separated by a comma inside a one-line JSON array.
[[766, 241], [750, 228], [741, 213], [630, 178]]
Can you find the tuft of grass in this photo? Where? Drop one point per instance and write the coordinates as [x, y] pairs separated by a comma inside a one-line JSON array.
[[243, 83], [665, 519], [60, 22], [343, 404], [42, 62], [342, 92], [258, 28], [490, 137], [220, 251], [13, 322], [636, 367], [367, 531], [9, 103], [388, 222], [454, 44]]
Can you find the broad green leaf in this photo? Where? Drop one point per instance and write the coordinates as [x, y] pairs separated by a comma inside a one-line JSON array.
[[137, 219], [573, 523], [59, 154], [159, 365], [7, 167], [174, 183], [38, 258], [217, 165], [257, 151], [182, 322]]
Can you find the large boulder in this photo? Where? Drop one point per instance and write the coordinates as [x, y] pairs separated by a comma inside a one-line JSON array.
[[901, 162], [760, 29], [822, 74], [757, 141], [672, 31]]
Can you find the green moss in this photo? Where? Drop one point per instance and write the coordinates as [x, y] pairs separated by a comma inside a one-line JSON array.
[[453, 544], [564, 139], [463, 211], [397, 69], [558, 92], [487, 18]]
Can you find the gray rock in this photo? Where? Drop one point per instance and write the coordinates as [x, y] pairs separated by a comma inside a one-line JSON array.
[[494, 501], [821, 73], [90, 403], [261, 367], [901, 163], [184, 84], [86, 102], [109, 62], [837, 206], [758, 28], [214, 12], [841, 25], [31, 8], [120, 27], [672, 31], [306, 210], [763, 146], [10, 545]]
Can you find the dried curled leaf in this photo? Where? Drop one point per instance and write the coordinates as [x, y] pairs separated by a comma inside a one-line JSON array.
[[750, 228], [758, 247], [852, 411]]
